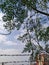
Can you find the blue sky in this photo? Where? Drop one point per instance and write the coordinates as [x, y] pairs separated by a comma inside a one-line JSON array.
[[10, 42], [10, 45]]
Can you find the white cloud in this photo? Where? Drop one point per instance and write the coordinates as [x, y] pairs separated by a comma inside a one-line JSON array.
[[1, 15], [10, 43], [4, 41], [2, 38], [9, 51]]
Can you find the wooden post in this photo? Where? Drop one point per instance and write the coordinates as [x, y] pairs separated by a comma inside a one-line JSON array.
[[2, 63]]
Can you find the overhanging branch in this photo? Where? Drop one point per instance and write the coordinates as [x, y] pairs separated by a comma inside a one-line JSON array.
[[5, 33], [40, 11]]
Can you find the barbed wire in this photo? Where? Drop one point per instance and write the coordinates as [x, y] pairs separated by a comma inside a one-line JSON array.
[[15, 55], [21, 62], [15, 62]]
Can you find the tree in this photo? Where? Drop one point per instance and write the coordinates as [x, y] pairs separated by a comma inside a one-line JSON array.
[[16, 15], [47, 48]]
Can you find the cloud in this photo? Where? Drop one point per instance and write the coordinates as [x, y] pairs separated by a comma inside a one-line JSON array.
[[1, 15], [10, 43], [2, 38], [6, 42], [9, 51]]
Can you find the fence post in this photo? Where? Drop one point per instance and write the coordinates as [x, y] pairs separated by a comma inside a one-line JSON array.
[[2, 63]]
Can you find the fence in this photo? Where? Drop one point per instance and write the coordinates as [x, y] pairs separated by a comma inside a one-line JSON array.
[[15, 62], [25, 62]]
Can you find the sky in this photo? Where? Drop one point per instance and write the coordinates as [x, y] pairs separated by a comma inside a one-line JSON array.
[[10, 45], [10, 42]]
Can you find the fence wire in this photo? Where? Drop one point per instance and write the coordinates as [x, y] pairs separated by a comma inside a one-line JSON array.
[[15, 62]]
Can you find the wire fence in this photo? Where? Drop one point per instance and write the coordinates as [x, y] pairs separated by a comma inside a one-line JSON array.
[[25, 62], [20, 62], [15, 55], [15, 63]]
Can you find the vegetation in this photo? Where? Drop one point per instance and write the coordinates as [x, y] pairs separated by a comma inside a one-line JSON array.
[[16, 14]]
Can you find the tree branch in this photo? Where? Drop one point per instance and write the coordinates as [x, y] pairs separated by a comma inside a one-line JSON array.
[[5, 34], [40, 12]]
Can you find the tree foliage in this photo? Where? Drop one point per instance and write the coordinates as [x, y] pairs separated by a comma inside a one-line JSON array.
[[16, 14]]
